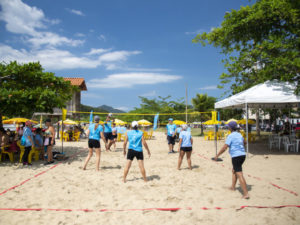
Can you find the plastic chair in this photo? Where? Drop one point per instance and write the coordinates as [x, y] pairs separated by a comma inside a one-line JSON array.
[[288, 145], [76, 136], [273, 141], [10, 154], [33, 151]]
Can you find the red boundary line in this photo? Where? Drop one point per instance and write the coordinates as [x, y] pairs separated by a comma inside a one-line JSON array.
[[145, 209], [39, 174], [257, 178]]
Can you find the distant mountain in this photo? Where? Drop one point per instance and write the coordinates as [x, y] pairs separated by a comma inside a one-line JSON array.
[[103, 108], [110, 109]]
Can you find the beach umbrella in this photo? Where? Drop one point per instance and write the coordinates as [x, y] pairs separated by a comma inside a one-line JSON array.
[[211, 122], [120, 122], [243, 121], [231, 120], [68, 122], [144, 122], [17, 121], [179, 122]]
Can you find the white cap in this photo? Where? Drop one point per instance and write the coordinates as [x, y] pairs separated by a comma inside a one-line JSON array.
[[134, 124], [110, 114], [184, 126]]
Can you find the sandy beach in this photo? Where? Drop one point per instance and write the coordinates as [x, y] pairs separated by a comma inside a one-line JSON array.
[[66, 186]]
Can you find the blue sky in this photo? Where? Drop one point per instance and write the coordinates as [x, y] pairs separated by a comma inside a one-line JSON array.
[[123, 48]]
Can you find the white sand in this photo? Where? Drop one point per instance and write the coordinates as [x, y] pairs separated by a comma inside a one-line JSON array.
[[67, 186]]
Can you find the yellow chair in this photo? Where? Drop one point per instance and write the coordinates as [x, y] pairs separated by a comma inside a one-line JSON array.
[[76, 136], [150, 134], [121, 137], [64, 135], [10, 154], [33, 151]]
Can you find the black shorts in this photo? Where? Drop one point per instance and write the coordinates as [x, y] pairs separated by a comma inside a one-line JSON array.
[[186, 149], [237, 163], [115, 136], [108, 136], [171, 140], [94, 143], [132, 154]]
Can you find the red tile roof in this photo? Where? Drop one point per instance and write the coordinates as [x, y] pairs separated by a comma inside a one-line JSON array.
[[77, 81]]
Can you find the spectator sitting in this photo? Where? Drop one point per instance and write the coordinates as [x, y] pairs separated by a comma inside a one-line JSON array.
[[38, 140]]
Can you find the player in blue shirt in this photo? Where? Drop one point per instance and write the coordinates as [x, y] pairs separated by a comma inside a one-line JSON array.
[[95, 132], [135, 149], [29, 142], [171, 132], [109, 139], [185, 146], [235, 142]]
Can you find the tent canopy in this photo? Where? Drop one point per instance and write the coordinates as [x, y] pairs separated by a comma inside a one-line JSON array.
[[271, 94]]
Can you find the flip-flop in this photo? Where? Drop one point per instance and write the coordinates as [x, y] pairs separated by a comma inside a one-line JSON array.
[[170, 152]]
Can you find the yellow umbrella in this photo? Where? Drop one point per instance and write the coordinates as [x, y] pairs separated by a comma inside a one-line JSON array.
[[119, 122], [4, 117], [231, 120], [211, 122], [243, 121], [69, 122], [179, 122], [17, 120], [144, 122]]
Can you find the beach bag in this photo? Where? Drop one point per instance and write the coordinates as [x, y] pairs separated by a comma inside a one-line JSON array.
[[23, 140]]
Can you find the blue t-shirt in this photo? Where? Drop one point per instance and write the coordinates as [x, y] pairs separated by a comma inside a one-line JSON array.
[[107, 127], [186, 138], [27, 133], [235, 141], [171, 129], [178, 130], [38, 138], [95, 134], [114, 130], [135, 140]]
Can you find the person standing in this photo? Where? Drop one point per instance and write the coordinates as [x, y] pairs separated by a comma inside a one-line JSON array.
[[235, 142], [49, 141], [171, 132], [109, 139], [115, 135], [27, 134], [95, 132], [185, 146], [135, 150]]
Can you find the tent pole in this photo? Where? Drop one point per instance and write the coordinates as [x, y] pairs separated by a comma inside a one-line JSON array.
[[247, 137]]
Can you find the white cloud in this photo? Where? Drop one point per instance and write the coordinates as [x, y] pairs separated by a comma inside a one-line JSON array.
[[212, 87], [199, 31], [146, 69], [149, 94], [76, 12], [80, 35], [97, 51], [118, 56], [91, 95], [127, 80], [123, 108]]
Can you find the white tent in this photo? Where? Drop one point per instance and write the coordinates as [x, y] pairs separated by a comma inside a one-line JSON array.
[[271, 94]]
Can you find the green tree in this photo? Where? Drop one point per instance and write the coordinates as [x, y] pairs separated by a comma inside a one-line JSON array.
[[204, 103], [26, 88], [261, 42]]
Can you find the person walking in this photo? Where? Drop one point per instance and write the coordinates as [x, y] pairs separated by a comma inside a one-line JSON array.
[[235, 142], [185, 146], [49, 141], [171, 132], [136, 141], [29, 143], [109, 139], [95, 132]]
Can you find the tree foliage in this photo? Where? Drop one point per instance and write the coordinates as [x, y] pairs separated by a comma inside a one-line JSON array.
[[203, 103], [261, 43], [26, 88]]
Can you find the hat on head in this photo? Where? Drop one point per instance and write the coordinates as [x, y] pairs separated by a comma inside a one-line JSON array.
[[134, 124], [110, 114], [28, 122], [97, 118], [170, 119], [184, 126], [48, 120], [232, 124]]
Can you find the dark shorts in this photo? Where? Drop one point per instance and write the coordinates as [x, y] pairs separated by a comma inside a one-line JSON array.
[[237, 163], [186, 149], [49, 144], [171, 140], [132, 154], [115, 136], [108, 136], [94, 143]]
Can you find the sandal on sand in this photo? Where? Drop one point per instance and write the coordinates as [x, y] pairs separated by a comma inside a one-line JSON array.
[[47, 163]]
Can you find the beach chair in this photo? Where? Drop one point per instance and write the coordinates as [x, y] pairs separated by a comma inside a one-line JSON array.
[[10, 154], [150, 134], [33, 151], [273, 141], [64, 135], [288, 145]]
